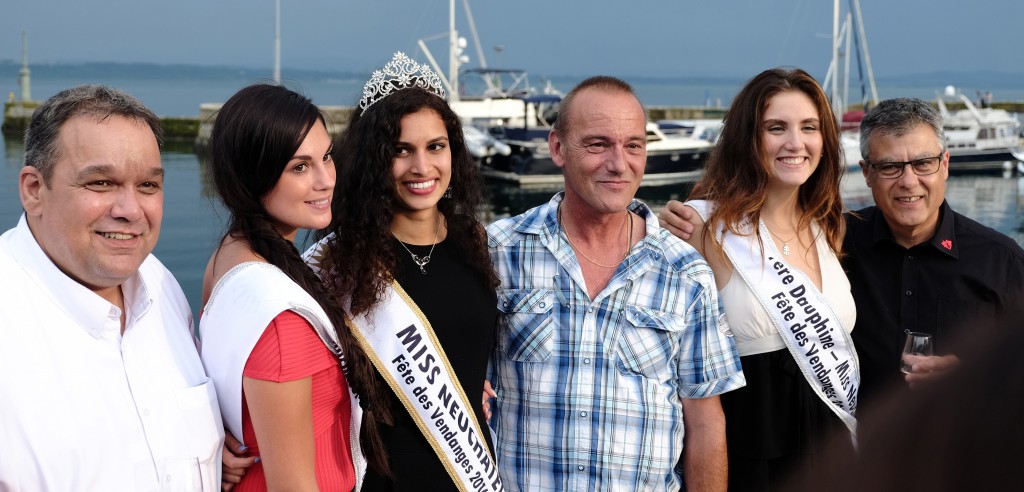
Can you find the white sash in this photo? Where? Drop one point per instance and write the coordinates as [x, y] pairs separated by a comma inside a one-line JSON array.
[[243, 303], [401, 343], [812, 332]]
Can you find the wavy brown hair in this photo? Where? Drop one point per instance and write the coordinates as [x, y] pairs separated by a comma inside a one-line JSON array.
[[256, 133], [363, 252], [737, 172]]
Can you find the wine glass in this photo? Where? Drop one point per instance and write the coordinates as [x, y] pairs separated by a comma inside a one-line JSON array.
[[917, 344]]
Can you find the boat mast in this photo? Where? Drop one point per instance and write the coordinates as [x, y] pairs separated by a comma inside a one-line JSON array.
[[859, 19], [846, 69], [453, 53], [455, 57], [837, 103], [277, 42]]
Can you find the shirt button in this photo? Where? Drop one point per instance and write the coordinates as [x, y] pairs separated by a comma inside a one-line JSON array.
[[579, 467], [910, 257], [145, 413], [583, 414], [909, 293], [542, 304], [586, 360], [590, 310]]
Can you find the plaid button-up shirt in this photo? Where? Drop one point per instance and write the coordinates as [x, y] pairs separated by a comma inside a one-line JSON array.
[[589, 391]]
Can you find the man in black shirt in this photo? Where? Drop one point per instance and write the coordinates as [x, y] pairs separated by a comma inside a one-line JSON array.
[[915, 264]]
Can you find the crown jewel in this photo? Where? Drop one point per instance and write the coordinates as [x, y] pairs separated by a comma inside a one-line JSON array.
[[400, 73]]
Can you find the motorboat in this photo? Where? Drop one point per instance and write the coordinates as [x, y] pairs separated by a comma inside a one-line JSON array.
[[980, 139], [481, 145], [704, 129], [490, 97]]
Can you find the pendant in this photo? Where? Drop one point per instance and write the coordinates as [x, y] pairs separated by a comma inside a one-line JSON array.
[[421, 262], [785, 249]]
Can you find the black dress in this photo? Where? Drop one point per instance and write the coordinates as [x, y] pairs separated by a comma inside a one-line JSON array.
[[463, 312], [776, 424]]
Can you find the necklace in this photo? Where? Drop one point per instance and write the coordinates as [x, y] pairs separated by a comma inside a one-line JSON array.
[[421, 261], [785, 242], [629, 240]]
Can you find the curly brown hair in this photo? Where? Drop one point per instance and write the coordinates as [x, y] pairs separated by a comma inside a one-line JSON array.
[[737, 172]]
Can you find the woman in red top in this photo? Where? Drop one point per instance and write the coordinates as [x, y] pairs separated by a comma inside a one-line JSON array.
[[272, 167]]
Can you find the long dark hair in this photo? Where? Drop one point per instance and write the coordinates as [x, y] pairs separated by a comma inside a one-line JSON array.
[[256, 133], [363, 255], [737, 172]]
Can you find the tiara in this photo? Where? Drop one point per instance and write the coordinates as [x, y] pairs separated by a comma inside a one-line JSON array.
[[400, 73]]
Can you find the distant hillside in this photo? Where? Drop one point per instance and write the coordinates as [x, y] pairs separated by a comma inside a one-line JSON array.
[[9, 69], [981, 78]]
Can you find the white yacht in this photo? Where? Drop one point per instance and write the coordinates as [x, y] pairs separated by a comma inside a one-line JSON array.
[[980, 139]]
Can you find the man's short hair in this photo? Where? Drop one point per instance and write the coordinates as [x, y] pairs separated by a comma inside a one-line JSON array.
[[898, 117], [42, 149], [600, 82]]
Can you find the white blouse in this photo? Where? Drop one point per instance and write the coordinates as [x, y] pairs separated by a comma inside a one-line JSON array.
[[750, 324]]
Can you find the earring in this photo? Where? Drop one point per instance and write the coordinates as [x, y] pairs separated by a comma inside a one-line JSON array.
[[447, 192]]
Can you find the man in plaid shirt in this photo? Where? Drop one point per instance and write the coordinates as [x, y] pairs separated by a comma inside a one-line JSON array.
[[612, 348]]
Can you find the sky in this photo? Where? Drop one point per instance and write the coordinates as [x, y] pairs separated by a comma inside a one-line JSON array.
[[654, 38]]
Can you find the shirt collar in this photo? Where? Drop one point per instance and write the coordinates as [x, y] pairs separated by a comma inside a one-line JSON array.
[[78, 302], [545, 221], [944, 239]]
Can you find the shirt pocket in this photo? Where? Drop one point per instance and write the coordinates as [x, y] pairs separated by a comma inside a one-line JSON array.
[[201, 430], [647, 343], [529, 324]]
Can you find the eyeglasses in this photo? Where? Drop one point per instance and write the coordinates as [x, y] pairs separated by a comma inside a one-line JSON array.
[[921, 167]]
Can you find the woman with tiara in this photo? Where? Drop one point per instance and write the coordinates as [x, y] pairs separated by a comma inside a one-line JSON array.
[[408, 258], [273, 335]]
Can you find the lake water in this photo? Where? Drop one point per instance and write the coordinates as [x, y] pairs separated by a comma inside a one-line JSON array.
[[193, 219]]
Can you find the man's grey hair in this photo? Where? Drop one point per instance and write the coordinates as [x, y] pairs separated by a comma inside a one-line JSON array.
[[898, 117], [42, 146]]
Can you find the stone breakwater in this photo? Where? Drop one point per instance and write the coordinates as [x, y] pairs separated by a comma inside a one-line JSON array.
[[336, 117]]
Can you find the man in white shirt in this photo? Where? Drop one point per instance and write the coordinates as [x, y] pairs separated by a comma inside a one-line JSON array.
[[101, 386]]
